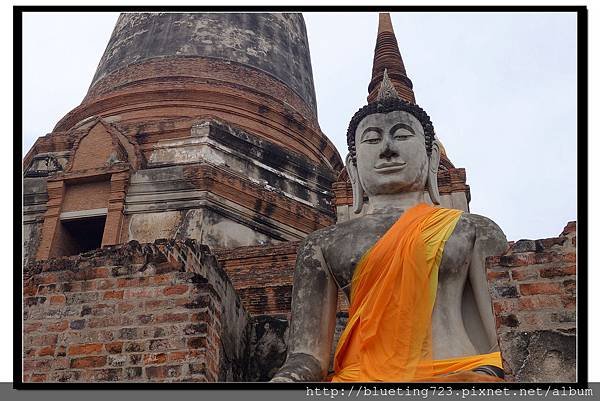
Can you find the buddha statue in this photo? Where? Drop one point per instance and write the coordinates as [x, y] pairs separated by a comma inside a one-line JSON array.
[[413, 272]]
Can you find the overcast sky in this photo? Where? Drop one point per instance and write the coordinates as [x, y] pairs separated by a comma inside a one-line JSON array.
[[500, 89]]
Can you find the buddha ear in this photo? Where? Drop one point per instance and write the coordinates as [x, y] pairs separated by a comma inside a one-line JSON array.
[[432, 182], [357, 189]]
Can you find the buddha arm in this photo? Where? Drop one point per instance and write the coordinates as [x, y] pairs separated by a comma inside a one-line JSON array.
[[489, 241], [314, 302]]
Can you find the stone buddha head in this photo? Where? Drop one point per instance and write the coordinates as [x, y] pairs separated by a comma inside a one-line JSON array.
[[392, 149]]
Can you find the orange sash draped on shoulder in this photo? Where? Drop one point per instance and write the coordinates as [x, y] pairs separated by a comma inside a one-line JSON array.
[[388, 334]]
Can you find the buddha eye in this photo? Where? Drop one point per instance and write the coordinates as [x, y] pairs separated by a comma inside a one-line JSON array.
[[371, 136], [402, 134]]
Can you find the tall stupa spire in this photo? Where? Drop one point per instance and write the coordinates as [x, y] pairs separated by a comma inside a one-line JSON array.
[[387, 56]]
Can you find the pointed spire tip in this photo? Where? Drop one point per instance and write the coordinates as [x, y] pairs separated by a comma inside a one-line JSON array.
[[385, 23]]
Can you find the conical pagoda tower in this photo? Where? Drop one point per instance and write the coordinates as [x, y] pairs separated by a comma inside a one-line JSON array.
[[195, 125], [387, 56]]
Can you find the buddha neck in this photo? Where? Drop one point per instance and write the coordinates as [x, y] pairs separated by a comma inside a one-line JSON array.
[[390, 203]]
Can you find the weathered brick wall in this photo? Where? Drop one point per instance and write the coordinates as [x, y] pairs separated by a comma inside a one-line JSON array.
[[262, 275], [533, 288], [153, 312]]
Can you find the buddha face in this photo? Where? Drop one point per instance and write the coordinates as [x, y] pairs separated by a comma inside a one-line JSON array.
[[390, 153]]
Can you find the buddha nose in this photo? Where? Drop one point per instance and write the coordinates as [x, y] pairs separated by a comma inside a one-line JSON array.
[[387, 153]]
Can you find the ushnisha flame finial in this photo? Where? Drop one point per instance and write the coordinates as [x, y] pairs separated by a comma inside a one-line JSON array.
[[386, 88]]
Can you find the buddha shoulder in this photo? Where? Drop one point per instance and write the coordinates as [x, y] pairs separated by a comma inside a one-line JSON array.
[[329, 235], [487, 233]]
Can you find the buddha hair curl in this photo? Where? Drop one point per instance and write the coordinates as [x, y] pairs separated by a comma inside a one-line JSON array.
[[385, 106]]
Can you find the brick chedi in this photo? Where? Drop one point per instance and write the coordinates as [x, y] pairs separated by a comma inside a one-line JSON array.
[[198, 126]]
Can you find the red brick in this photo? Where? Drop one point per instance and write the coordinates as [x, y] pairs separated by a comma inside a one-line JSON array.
[[105, 284], [88, 195], [57, 299], [125, 307], [114, 348], [557, 271], [161, 279], [176, 290], [46, 351], [85, 349], [58, 326], [88, 362], [113, 294], [155, 359], [177, 356], [504, 306], [524, 274], [31, 327], [544, 258], [46, 278], [91, 273], [61, 363], [171, 317], [497, 275], [47, 339], [38, 377], [540, 288], [162, 372], [29, 290], [132, 282], [538, 302], [156, 304]]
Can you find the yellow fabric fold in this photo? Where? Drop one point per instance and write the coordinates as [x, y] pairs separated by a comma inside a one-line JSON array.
[[388, 334]]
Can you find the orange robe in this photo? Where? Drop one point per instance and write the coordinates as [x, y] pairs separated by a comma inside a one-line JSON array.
[[388, 334]]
